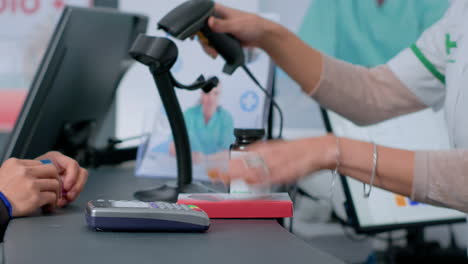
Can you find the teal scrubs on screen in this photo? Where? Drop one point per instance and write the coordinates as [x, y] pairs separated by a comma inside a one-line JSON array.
[[213, 137], [364, 33]]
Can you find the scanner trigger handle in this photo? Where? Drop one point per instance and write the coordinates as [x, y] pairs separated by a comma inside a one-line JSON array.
[[227, 46]]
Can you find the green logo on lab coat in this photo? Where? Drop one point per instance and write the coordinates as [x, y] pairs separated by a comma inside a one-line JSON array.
[[449, 45]]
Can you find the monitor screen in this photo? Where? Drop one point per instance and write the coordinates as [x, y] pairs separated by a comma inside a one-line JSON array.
[[76, 82], [383, 210]]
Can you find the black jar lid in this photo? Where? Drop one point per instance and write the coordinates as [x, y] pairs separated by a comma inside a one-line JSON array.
[[250, 133]]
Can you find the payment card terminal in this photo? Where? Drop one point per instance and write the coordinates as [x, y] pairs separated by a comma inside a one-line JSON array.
[[112, 215]]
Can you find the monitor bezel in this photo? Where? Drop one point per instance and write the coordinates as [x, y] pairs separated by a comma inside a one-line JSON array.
[[49, 56]]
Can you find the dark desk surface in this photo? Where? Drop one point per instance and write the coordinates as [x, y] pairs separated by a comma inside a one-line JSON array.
[[64, 237]]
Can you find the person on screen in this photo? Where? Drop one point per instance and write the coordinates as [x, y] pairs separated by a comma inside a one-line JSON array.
[[430, 73], [28, 185], [209, 125]]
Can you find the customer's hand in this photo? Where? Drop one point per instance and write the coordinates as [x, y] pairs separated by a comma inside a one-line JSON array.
[[247, 27], [285, 161], [72, 175], [29, 185]]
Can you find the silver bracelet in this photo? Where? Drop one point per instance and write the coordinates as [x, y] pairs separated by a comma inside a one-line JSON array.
[[375, 157], [335, 171]]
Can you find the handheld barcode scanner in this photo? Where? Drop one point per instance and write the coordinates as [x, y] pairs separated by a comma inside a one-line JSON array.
[[191, 18]]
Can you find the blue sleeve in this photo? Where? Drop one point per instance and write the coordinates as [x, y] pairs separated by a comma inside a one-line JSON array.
[[228, 131], [5, 215], [190, 117]]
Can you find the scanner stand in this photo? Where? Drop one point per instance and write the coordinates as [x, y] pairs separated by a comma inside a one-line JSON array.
[[160, 54]]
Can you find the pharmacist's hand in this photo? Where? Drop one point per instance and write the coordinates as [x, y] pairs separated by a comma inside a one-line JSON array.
[[248, 28], [29, 185], [72, 175], [283, 161]]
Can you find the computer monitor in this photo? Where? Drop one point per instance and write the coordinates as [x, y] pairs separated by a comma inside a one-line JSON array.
[[75, 83], [383, 210], [11, 99]]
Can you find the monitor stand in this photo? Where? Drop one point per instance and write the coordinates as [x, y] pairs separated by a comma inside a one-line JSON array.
[[418, 250], [74, 142]]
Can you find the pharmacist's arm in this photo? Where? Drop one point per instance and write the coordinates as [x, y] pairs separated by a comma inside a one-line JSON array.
[[437, 178], [364, 96]]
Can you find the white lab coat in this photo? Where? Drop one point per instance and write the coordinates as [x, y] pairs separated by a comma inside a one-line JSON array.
[[435, 69]]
